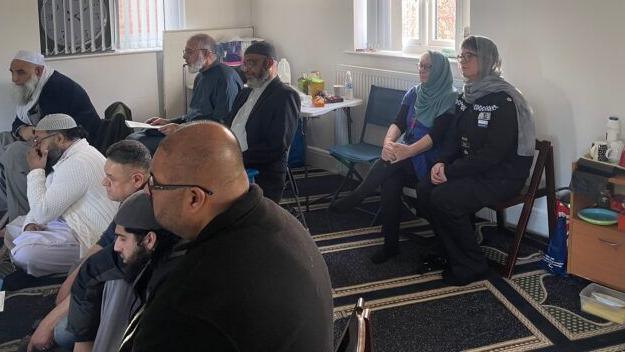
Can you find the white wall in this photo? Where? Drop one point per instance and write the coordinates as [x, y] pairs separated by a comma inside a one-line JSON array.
[[565, 55], [217, 13], [131, 79]]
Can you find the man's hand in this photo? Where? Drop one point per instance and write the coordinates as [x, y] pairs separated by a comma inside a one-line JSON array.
[[27, 133], [34, 227], [157, 121], [437, 174], [169, 128], [401, 152], [43, 337], [37, 158]]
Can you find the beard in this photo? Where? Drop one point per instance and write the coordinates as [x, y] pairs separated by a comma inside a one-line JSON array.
[[24, 92], [54, 154], [136, 263], [197, 65], [255, 82]]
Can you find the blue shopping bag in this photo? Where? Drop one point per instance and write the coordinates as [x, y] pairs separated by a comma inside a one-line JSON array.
[[555, 258]]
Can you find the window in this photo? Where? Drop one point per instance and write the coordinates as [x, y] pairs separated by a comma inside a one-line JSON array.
[[69, 27], [410, 25]]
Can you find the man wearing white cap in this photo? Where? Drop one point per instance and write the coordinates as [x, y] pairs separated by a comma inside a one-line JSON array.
[[40, 91], [69, 208]]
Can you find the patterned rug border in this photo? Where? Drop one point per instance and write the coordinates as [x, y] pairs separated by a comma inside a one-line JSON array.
[[386, 284], [34, 291], [10, 346], [537, 340], [364, 231], [603, 328], [616, 348]]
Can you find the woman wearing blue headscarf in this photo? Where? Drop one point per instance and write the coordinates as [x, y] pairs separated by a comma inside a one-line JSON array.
[[425, 114]]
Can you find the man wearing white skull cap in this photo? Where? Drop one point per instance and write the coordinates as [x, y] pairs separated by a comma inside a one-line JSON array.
[[40, 91]]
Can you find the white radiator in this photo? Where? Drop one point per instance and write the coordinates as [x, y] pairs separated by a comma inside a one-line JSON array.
[[363, 78]]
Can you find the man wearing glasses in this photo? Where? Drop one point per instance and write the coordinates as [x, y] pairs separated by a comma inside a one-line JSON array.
[[264, 118], [214, 89], [68, 205], [252, 278]]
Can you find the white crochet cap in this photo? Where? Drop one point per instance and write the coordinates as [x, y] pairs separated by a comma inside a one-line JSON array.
[[55, 122], [29, 56]]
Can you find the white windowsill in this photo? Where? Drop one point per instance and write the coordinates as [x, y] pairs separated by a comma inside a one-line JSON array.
[[411, 57], [108, 53]]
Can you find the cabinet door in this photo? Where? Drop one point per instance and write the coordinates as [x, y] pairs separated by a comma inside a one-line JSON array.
[[597, 253]]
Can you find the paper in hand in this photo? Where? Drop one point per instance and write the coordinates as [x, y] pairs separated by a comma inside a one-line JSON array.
[[136, 124]]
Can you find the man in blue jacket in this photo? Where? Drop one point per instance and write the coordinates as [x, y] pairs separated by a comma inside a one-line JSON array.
[[214, 89]]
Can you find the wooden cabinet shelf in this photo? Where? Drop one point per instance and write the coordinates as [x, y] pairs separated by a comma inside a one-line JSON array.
[[596, 252]]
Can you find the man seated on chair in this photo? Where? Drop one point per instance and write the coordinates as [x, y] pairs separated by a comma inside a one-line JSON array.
[[127, 170], [252, 278], [68, 206], [264, 118], [40, 91], [214, 90]]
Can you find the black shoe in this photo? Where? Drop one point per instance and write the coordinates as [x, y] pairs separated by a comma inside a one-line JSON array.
[[346, 204], [383, 255], [453, 280]]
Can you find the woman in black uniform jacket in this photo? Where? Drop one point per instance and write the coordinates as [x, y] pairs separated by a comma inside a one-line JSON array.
[[489, 161]]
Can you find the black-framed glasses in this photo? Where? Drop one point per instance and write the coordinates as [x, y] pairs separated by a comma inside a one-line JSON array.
[[466, 56], [154, 185], [38, 140]]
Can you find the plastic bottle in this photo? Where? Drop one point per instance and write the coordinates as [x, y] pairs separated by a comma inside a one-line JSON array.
[[613, 129], [349, 86], [284, 71]]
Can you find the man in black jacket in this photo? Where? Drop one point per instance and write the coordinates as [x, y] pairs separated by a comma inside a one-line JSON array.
[[252, 278], [263, 118], [40, 91]]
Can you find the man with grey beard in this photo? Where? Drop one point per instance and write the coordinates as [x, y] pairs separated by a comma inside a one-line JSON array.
[[40, 91], [214, 89], [264, 118]]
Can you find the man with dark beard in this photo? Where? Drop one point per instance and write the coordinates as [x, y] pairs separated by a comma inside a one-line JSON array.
[[40, 91], [263, 119], [214, 89], [68, 205]]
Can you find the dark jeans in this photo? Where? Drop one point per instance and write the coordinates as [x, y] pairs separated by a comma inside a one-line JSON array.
[[449, 208], [150, 138], [392, 178]]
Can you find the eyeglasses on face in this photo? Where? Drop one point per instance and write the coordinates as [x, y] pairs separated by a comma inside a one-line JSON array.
[[188, 51], [466, 56], [424, 67], [38, 140], [154, 185]]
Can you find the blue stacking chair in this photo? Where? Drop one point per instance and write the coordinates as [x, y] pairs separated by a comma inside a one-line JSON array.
[[382, 109]]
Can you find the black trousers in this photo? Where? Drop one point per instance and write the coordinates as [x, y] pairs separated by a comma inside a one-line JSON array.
[[272, 184], [450, 206], [392, 178]]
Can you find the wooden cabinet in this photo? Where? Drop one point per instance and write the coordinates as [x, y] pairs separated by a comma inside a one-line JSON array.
[[596, 252]]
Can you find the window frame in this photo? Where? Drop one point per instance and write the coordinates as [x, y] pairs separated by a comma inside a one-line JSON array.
[[426, 40]]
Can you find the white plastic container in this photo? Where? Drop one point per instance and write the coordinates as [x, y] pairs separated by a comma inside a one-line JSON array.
[[603, 302]]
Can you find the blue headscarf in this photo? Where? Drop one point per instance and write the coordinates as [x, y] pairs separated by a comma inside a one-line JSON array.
[[437, 95]]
